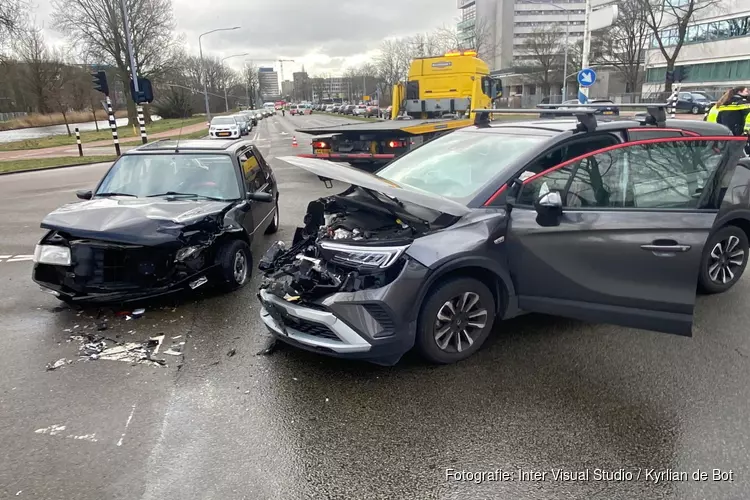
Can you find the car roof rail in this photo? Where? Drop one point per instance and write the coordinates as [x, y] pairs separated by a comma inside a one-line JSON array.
[[586, 117], [656, 112]]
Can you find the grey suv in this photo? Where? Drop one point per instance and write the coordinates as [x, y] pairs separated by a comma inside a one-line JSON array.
[[613, 221]]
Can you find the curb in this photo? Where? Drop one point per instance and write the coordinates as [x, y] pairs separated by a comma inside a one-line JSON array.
[[50, 168]]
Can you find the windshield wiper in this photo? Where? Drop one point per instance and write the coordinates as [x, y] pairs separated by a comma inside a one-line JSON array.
[[116, 194], [175, 193]]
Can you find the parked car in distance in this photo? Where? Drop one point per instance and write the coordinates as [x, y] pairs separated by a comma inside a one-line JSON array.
[[224, 127], [330, 108], [349, 109], [335, 108], [161, 220], [359, 110], [250, 115], [612, 221], [612, 110], [693, 102]]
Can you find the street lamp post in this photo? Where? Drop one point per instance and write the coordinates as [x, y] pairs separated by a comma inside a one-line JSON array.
[[226, 101], [203, 74]]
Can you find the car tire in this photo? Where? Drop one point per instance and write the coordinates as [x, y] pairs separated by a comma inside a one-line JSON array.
[[724, 260], [439, 337], [695, 110], [235, 265], [271, 229]]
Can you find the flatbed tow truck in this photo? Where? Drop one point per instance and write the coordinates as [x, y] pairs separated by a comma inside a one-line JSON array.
[[437, 98]]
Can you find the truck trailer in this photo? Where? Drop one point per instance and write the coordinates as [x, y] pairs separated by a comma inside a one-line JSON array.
[[437, 98]]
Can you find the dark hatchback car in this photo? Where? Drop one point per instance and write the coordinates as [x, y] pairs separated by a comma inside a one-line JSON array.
[[609, 221], [166, 217], [693, 102]]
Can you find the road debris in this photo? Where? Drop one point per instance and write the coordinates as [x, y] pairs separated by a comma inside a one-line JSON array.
[[269, 349], [58, 364], [232, 352], [138, 313], [102, 326]]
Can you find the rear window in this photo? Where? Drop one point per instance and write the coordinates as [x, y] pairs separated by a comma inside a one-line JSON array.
[[460, 164], [223, 120]]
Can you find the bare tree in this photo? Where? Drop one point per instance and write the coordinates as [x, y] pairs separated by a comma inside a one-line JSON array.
[[543, 50], [623, 46], [97, 26], [668, 21], [252, 82], [393, 62], [12, 19], [482, 38], [37, 71], [58, 93]]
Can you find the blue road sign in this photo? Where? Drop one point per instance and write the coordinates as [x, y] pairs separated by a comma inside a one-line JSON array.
[[582, 98], [586, 77]]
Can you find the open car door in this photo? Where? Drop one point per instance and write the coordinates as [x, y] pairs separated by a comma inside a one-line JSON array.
[[617, 235]]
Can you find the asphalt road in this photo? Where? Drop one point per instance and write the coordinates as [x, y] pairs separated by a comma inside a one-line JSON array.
[[545, 393]]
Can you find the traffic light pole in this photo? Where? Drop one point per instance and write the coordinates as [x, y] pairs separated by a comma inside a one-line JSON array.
[[113, 126], [129, 41]]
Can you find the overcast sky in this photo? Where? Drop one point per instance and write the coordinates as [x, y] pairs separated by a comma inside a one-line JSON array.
[[324, 35]]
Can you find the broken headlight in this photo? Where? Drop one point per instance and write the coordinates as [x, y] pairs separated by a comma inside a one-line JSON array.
[[52, 254], [186, 253], [374, 257]]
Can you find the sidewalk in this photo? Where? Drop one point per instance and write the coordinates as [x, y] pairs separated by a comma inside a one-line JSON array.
[[72, 149]]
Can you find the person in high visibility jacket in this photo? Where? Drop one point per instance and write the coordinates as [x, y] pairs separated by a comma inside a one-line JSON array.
[[733, 111]]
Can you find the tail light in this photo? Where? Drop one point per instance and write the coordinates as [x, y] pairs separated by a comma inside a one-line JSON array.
[[396, 144], [320, 145]]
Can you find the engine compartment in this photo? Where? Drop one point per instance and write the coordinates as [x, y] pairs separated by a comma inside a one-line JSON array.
[[304, 271]]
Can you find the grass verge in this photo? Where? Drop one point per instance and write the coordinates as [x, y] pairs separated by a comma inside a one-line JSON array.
[[41, 163], [45, 120], [103, 134], [199, 134]]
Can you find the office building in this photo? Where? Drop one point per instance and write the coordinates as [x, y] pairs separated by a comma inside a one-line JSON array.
[[715, 54], [302, 86], [500, 28], [287, 89], [269, 83]]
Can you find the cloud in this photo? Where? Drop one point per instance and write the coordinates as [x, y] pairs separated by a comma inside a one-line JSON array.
[[325, 36]]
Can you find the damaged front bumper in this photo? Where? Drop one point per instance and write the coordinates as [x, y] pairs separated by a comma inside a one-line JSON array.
[[103, 296], [376, 324]]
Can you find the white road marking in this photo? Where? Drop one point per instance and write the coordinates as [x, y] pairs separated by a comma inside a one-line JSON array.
[[85, 437], [20, 258], [127, 424], [52, 430], [5, 256]]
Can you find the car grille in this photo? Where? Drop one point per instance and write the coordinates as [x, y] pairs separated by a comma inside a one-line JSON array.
[[307, 327], [103, 264]]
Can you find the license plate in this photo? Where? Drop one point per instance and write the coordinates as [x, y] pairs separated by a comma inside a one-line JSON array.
[[609, 112], [322, 151], [223, 134]]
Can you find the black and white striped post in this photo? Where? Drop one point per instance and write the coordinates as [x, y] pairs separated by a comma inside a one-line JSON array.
[[113, 126], [78, 141], [673, 101], [142, 124]]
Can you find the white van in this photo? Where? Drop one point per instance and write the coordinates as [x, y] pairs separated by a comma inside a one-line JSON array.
[[270, 106]]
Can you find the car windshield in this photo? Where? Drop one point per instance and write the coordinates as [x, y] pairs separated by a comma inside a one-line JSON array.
[[186, 175], [700, 97], [458, 165], [223, 120]]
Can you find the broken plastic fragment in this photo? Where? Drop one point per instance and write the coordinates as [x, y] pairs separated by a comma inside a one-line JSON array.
[[138, 313], [57, 364], [232, 352], [291, 298]]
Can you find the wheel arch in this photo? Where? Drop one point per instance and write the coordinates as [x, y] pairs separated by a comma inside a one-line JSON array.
[[481, 269]]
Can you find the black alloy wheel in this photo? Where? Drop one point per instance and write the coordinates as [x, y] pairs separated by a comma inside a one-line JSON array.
[[724, 260]]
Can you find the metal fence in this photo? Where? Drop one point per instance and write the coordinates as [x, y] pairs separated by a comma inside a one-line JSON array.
[[4, 117]]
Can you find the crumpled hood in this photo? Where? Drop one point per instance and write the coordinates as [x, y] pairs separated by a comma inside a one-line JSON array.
[[357, 177], [139, 221]]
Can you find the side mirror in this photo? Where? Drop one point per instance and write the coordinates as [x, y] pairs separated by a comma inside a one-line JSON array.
[[549, 209], [260, 196], [84, 194]]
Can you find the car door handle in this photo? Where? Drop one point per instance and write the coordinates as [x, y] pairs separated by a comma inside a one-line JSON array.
[[666, 248]]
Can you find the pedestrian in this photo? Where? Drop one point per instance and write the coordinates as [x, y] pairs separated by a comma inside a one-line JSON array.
[[733, 110]]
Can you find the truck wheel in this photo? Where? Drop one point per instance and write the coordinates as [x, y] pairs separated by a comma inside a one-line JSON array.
[[724, 260], [455, 320], [235, 265]]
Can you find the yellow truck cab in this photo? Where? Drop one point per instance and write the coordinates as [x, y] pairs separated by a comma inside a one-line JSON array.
[[450, 84]]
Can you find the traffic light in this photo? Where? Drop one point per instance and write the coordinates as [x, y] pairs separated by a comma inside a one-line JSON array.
[[100, 82], [145, 91]]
